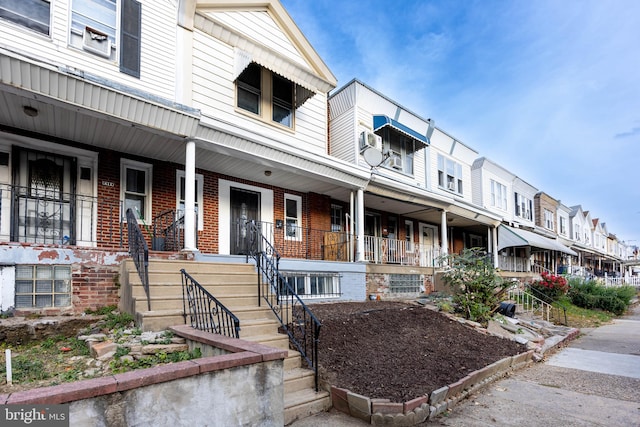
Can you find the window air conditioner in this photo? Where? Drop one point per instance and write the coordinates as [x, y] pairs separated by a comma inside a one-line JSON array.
[[96, 42], [452, 186], [395, 161], [370, 139]]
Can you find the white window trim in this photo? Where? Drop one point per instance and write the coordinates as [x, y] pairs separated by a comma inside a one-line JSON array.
[[114, 47], [298, 199], [199, 188], [411, 244], [335, 277], [148, 169]]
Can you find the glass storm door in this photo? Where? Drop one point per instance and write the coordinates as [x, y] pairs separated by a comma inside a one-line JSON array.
[[245, 207]]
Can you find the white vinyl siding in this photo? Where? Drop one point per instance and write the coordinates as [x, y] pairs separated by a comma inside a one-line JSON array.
[[158, 49], [214, 94]]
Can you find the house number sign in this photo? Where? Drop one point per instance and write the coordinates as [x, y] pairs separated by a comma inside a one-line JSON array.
[[108, 184]]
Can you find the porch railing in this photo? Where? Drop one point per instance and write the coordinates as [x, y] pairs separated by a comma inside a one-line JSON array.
[[46, 216], [204, 310], [381, 250], [139, 252], [296, 319], [513, 264]]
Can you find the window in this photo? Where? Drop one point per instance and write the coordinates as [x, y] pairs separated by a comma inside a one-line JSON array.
[[498, 195], [336, 218], [408, 229], [32, 14], [548, 220], [180, 184], [449, 174], [577, 235], [405, 283], [266, 94], [293, 217], [314, 284], [524, 207], [563, 226], [40, 286], [400, 149], [94, 28], [135, 188]]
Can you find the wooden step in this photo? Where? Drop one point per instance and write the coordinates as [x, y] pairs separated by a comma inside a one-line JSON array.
[[304, 403]]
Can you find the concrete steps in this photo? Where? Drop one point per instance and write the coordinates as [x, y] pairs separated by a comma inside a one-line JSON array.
[[235, 286]]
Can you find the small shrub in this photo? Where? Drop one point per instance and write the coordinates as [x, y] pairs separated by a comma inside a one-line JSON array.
[[592, 295], [552, 287], [118, 320]]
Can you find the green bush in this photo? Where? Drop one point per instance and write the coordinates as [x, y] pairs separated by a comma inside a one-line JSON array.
[[592, 295], [475, 284]]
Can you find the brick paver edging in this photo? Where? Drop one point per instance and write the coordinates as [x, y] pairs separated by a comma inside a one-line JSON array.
[[240, 353]]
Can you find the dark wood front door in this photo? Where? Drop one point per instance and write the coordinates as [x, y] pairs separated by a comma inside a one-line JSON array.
[[245, 207]]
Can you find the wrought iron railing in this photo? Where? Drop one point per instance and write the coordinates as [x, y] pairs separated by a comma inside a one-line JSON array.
[[139, 251], [45, 216], [298, 242], [528, 303], [296, 319], [168, 231], [205, 312]]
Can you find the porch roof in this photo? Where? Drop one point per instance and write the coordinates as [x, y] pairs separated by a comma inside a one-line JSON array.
[[20, 75], [380, 121], [510, 237]]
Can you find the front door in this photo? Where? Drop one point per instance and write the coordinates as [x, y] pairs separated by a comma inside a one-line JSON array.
[[428, 253], [245, 207], [44, 188]]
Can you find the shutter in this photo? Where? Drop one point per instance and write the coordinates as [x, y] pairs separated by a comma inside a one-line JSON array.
[[131, 24]]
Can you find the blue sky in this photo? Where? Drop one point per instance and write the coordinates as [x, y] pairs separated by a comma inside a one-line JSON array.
[[550, 90]]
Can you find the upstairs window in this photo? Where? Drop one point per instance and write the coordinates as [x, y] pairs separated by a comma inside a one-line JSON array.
[[449, 175], [563, 226], [95, 28], [548, 220], [524, 207], [400, 150], [32, 14], [266, 94], [498, 195]]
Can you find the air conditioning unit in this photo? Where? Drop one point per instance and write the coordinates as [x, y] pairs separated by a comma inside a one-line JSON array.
[[395, 161], [452, 186], [369, 139], [97, 42]]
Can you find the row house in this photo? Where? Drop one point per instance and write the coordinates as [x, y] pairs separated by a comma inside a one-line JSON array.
[[201, 117]]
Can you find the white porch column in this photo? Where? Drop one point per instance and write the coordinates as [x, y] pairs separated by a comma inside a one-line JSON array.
[[360, 226], [190, 197], [494, 236], [444, 243]]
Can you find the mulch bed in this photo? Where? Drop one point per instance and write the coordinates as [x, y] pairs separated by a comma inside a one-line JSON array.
[[400, 351]]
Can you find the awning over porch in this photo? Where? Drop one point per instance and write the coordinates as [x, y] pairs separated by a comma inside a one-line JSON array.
[[382, 121], [510, 237]]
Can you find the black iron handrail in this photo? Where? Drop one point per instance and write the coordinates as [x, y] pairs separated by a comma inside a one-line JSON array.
[[205, 311], [547, 299], [139, 251], [296, 319]]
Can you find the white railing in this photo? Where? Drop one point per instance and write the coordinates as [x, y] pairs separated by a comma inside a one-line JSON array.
[[621, 281], [380, 250], [527, 303], [513, 264]]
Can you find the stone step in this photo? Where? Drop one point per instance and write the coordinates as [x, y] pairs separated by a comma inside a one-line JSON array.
[[259, 327], [297, 379], [158, 320], [305, 403], [293, 360], [272, 340], [193, 267]]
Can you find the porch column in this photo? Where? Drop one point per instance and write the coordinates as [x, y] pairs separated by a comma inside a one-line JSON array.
[[444, 244], [190, 197], [494, 237], [360, 226]]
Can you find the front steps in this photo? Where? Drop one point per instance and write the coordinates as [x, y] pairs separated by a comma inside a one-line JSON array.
[[235, 286]]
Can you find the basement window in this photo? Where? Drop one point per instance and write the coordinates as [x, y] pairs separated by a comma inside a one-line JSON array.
[[317, 285], [42, 286], [405, 283]]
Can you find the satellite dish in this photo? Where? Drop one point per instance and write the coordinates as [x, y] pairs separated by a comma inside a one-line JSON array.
[[373, 156]]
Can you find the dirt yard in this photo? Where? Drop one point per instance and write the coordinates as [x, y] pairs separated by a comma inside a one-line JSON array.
[[400, 351]]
